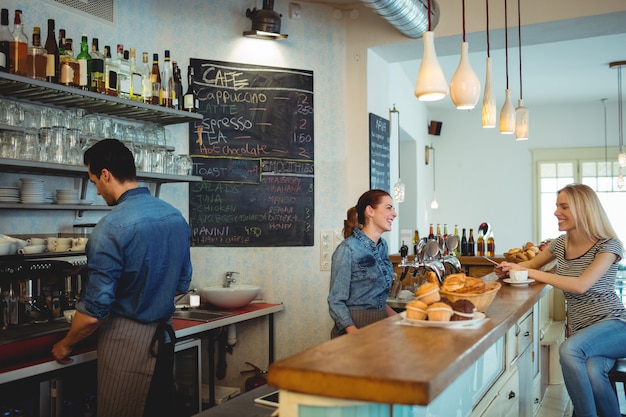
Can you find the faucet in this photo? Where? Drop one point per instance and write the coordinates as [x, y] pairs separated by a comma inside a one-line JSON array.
[[229, 279]]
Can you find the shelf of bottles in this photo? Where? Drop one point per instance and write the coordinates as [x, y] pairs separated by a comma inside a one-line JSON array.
[[42, 92]]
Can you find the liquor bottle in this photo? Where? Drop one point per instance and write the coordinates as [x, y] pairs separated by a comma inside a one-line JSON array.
[[68, 67], [97, 68], [84, 65], [491, 245], [167, 81], [457, 251], [438, 235], [135, 76], [155, 79], [52, 55], [471, 244], [61, 41], [443, 238], [146, 83], [124, 75], [177, 98], [18, 46], [431, 233], [5, 38], [190, 99], [110, 72], [36, 60], [480, 243], [416, 240], [464, 250]]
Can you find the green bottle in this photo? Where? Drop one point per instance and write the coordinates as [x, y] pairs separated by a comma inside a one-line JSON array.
[[84, 65]]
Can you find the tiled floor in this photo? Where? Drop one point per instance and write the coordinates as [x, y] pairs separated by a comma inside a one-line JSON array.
[[556, 402]]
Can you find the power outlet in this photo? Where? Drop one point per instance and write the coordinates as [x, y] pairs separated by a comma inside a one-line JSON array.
[[326, 249]]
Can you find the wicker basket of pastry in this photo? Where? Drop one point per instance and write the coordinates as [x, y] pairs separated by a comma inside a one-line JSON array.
[[461, 287], [528, 252]]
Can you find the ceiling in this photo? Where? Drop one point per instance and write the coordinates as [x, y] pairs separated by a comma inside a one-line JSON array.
[[562, 62]]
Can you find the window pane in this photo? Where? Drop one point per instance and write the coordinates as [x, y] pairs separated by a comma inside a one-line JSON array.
[[589, 169], [565, 169], [547, 170]]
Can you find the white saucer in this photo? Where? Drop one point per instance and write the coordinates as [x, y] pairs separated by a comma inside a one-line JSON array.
[[518, 283]]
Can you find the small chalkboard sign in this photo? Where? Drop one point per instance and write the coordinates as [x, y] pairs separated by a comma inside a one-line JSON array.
[[254, 150], [380, 175]]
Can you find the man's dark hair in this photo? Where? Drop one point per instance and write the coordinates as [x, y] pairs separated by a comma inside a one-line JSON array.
[[113, 155]]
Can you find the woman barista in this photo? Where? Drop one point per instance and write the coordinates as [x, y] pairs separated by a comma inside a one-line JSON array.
[[361, 272]]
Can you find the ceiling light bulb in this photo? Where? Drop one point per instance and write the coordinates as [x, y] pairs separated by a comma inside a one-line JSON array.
[[507, 115], [521, 121], [489, 99], [464, 85], [434, 204], [431, 84]]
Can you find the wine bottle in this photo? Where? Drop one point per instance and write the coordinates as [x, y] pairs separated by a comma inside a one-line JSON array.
[[111, 67], [480, 243], [84, 65], [457, 251], [416, 240], [177, 98], [52, 55], [190, 99], [471, 244], [155, 79], [68, 71], [61, 41], [123, 72], [431, 233], [97, 68], [464, 251], [5, 38], [167, 81], [146, 83], [36, 60], [491, 245], [443, 238], [18, 46]]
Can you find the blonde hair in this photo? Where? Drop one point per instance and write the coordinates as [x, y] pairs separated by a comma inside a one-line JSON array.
[[355, 217], [589, 215]]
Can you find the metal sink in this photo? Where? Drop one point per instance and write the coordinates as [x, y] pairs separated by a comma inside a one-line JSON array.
[[200, 315]]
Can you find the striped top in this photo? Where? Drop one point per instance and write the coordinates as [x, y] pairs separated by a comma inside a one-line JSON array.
[[600, 302]]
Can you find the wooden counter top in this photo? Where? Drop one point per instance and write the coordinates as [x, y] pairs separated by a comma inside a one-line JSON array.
[[396, 364]]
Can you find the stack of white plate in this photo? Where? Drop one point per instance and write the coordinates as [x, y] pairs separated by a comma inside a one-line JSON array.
[[9, 194], [67, 197], [31, 191]]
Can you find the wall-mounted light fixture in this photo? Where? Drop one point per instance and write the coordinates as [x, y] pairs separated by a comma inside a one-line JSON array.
[[433, 204], [398, 188], [265, 22]]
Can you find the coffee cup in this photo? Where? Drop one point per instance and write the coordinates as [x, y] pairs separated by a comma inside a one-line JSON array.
[[69, 315], [32, 249], [5, 248], [79, 241], [62, 248], [63, 241], [35, 241], [518, 274]]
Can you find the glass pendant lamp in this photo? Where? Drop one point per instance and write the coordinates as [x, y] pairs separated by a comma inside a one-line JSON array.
[[489, 97], [521, 112], [431, 84], [507, 113], [464, 85]]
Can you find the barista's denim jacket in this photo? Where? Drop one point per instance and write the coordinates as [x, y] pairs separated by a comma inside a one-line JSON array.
[[360, 277]]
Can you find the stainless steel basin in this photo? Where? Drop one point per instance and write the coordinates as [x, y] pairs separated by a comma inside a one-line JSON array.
[[200, 315]]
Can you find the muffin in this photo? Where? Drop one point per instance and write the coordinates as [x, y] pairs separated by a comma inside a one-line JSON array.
[[463, 310], [416, 310], [439, 312], [428, 293]]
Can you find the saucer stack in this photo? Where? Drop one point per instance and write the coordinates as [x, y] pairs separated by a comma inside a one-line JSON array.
[[9, 194], [31, 191], [67, 197]]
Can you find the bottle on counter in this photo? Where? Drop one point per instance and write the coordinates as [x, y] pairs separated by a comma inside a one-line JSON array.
[[443, 238], [52, 55], [190, 101], [416, 239], [431, 232], [135, 76], [491, 245], [68, 66], [36, 60], [438, 235], [464, 251], [471, 244], [98, 84], [177, 98], [123, 72], [18, 46], [480, 243], [5, 38], [155, 79], [457, 251], [167, 81], [84, 65], [146, 83], [110, 72]]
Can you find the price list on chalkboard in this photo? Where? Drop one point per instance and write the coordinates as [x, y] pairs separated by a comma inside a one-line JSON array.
[[254, 150], [380, 174]]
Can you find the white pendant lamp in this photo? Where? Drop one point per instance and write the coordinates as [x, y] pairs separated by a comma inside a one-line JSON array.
[[398, 188], [621, 157], [507, 113], [521, 112], [489, 97], [431, 84], [464, 85]]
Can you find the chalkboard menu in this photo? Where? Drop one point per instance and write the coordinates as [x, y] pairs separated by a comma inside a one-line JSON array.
[[380, 175], [254, 150]]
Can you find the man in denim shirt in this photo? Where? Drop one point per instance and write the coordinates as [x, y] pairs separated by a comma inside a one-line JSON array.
[[137, 261], [361, 272]]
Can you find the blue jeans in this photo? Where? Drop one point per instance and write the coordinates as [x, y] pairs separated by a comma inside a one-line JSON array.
[[586, 358]]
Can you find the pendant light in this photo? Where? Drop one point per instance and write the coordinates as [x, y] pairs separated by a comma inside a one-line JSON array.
[[489, 97], [507, 113], [398, 188], [521, 112], [621, 158], [464, 85], [431, 84], [433, 204]]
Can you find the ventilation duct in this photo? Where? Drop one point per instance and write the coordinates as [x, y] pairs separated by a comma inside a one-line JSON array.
[[410, 17]]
